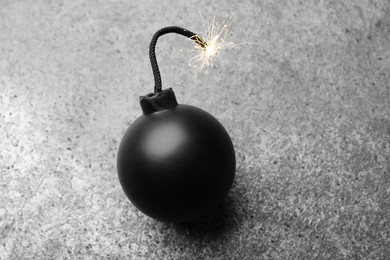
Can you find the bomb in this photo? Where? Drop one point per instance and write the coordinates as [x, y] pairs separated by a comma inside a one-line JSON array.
[[175, 162]]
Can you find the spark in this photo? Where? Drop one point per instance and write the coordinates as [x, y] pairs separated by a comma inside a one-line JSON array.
[[215, 35]]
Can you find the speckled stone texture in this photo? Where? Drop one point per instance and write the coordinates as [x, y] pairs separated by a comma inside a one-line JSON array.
[[306, 101]]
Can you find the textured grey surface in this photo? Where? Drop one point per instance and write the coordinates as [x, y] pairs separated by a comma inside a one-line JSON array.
[[307, 105]]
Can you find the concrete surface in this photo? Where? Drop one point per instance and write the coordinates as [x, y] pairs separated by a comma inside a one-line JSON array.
[[307, 104]]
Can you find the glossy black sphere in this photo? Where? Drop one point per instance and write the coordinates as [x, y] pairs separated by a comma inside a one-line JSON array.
[[176, 164]]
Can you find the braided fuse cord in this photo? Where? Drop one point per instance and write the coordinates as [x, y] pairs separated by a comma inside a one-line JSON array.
[[152, 50]]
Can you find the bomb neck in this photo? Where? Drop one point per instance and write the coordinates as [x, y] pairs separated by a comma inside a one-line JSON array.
[[154, 102]]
